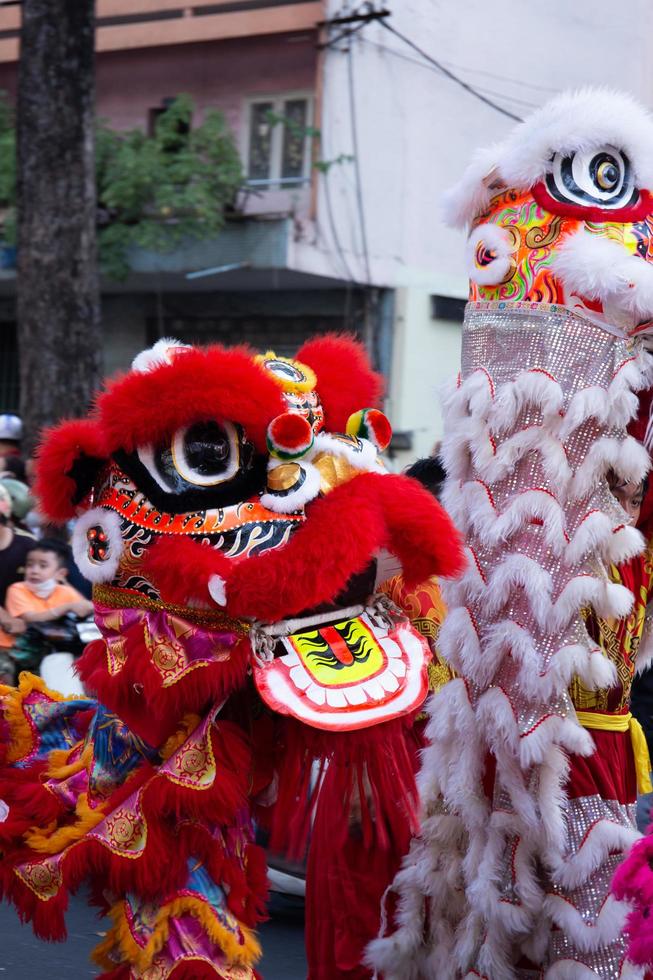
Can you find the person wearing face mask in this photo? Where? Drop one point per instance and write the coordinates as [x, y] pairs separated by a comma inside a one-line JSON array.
[[43, 597]]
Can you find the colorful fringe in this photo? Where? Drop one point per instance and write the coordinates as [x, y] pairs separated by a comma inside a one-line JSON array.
[[90, 800]]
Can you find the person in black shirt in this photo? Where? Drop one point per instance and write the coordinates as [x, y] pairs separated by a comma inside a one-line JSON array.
[[14, 546]]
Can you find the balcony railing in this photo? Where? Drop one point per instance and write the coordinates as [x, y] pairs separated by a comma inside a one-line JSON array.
[[264, 183]]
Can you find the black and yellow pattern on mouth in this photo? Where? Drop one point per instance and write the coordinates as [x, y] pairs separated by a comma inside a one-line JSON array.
[[344, 653]]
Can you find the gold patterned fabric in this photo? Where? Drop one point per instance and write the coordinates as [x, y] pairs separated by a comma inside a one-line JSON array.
[[426, 610]]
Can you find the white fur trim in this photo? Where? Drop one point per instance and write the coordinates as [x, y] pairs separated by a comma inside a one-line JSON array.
[[596, 533], [109, 521], [598, 671], [296, 499], [599, 268], [536, 679], [615, 405], [495, 239], [626, 457], [458, 642], [473, 192], [363, 457], [519, 571], [572, 122], [629, 971], [575, 970], [532, 387], [154, 357], [58, 672], [587, 937], [475, 410], [551, 798], [603, 838], [473, 396]]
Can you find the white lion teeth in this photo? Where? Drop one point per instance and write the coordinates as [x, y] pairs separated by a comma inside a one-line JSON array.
[[336, 697], [316, 694], [397, 667], [300, 678], [374, 690]]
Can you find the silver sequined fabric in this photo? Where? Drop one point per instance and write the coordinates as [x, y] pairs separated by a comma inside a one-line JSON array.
[[515, 880]]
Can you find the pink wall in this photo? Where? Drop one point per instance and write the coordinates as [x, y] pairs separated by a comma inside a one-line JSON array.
[[217, 74]]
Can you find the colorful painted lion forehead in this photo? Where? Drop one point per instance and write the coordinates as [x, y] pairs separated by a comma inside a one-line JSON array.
[[561, 211], [298, 384]]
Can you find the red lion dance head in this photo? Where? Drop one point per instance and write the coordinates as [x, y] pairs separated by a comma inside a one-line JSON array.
[[237, 490]]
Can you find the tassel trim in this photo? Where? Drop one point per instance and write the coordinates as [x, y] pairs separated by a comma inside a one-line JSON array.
[[120, 935], [22, 734]]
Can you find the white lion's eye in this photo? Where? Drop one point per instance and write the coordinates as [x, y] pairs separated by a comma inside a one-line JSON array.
[[206, 454], [601, 177]]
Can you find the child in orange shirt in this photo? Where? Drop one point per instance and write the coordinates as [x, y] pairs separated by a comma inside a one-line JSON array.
[[43, 596]]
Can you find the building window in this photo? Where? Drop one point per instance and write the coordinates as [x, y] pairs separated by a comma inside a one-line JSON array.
[[448, 308], [153, 116], [279, 141]]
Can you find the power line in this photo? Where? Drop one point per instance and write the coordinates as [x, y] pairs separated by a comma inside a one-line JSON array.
[[504, 78], [445, 71], [428, 67], [359, 184]]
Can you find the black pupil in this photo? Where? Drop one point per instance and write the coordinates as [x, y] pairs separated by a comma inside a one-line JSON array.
[[609, 171], [206, 448]]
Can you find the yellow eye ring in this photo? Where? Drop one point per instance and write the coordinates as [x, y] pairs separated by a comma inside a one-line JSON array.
[[607, 175], [290, 375]]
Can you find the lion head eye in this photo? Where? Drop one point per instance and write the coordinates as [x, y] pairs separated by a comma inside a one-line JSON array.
[[602, 177], [205, 454]]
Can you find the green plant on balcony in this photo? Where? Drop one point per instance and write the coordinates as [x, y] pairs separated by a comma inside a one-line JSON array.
[[153, 191]]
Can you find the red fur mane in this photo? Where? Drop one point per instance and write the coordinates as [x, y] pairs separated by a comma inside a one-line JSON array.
[[345, 379]]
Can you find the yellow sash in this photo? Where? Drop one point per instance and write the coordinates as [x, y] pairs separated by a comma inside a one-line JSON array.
[[624, 723]]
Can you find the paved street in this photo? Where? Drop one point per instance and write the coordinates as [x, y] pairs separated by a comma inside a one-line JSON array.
[[24, 958]]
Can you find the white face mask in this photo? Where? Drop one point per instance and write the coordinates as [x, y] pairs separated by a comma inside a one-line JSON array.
[[43, 589]]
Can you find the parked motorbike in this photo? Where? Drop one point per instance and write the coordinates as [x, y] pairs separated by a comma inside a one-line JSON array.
[[51, 649]]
